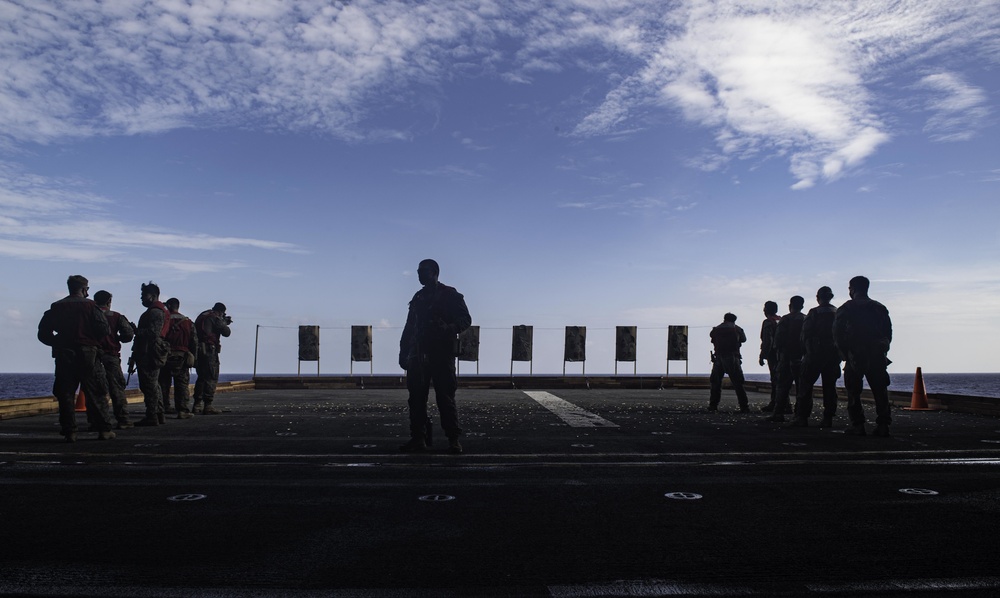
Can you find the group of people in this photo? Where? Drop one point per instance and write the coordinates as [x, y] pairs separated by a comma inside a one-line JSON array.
[[801, 349], [86, 337]]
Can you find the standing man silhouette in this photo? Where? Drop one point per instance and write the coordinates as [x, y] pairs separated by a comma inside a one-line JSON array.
[[427, 349], [768, 350], [727, 338], [862, 330], [111, 347], [821, 359], [210, 326], [788, 340], [74, 327]]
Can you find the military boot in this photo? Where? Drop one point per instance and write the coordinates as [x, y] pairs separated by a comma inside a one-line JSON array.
[[415, 445]]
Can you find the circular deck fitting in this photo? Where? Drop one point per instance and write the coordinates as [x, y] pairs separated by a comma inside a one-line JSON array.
[[186, 497], [436, 498], [683, 496]]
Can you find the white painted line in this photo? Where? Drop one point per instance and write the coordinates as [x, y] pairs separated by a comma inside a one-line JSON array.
[[630, 589], [908, 585], [575, 416]]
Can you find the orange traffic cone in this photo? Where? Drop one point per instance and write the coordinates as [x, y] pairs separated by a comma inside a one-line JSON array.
[[919, 400], [81, 402]]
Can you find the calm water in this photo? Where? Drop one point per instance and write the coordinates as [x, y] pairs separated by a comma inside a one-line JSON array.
[[979, 385], [976, 385], [16, 386]]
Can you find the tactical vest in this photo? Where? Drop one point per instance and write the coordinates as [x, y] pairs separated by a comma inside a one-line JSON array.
[[820, 341], [726, 339], [206, 332], [110, 343], [789, 335], [179, 335], [73, 319]]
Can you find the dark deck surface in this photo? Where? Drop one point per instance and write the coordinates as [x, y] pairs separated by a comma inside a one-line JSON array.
[[302, 493]]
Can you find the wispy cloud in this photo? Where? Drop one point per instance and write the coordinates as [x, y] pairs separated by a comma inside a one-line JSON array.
[[958, 108], [53, 219], [450, 171], [85, 68], [788, 78]]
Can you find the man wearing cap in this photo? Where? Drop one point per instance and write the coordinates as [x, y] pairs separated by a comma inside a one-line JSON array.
[[210, 326], [821, 359], [788, 340], [74, 327], [111, 358], [183, 341]]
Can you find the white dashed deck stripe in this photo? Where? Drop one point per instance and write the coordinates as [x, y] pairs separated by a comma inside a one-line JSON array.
[[568, 412]]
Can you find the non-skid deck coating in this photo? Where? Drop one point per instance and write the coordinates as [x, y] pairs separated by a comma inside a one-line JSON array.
[[562, 493]]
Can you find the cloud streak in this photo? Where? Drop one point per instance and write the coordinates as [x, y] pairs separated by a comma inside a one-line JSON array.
[[791, 78], [55, 220]]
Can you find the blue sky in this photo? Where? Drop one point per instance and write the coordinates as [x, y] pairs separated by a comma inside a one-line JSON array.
[[576, 163]]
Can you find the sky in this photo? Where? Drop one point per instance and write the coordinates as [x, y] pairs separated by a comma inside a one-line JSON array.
[[593, 163]]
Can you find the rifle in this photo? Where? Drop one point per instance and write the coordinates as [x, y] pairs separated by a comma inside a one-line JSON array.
[[131, 368]]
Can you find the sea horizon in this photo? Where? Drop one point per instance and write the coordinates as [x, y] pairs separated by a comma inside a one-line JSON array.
[[19, 385]]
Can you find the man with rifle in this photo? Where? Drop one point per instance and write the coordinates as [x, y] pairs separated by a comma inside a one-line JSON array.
[[210, 325], [122, 331]]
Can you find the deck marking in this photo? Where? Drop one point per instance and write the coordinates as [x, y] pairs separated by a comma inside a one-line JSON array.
[[633, 589], [575, 416]]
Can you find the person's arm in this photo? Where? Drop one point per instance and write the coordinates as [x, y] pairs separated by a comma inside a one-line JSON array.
[[125, 331], [406, 339], [99, 327], [462, 320], [193, 344], [46, 330]]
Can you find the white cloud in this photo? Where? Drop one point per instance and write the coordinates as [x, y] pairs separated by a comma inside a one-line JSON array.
[[86, 68], [794, 78], [789, 78], [58, 220], [959, 108]]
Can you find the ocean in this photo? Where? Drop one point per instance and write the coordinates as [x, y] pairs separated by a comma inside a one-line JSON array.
[[13, 386], [973, 385], [22, 386]]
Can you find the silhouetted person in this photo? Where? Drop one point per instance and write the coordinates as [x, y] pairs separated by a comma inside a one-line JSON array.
[[427, 349], [788, 340], [862, 331], [111, 357], [727, 338], [821, 359], [183, 345], [150, 351], [768, 350], [74, 327], [211, 325]]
